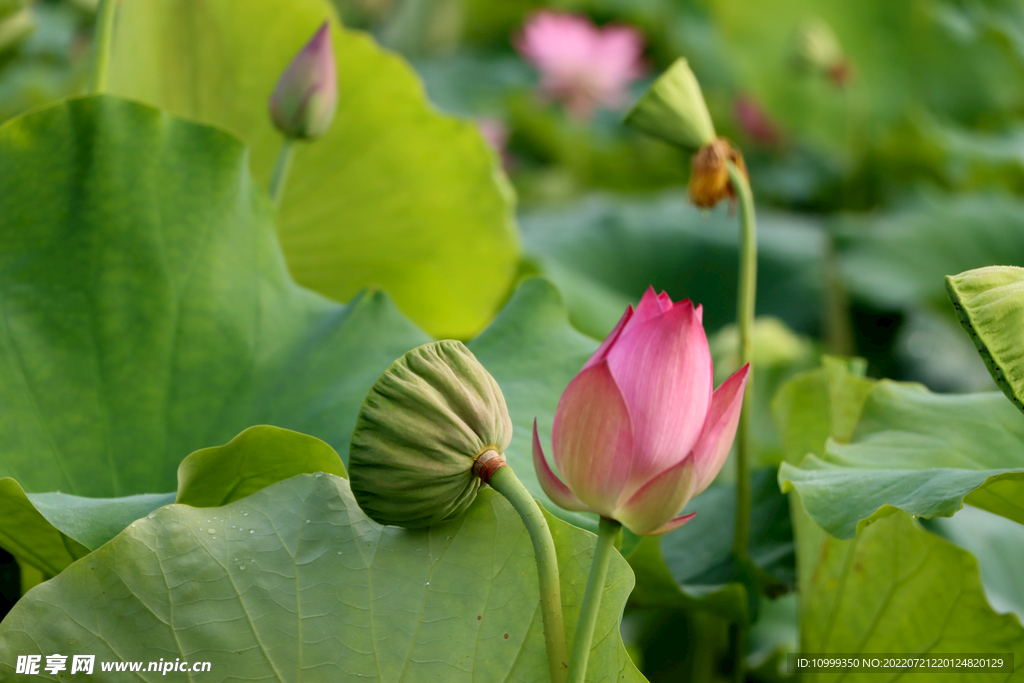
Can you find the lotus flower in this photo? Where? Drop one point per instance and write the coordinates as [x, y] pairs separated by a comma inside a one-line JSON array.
[[306, 96], [582, 66], [638, 432]]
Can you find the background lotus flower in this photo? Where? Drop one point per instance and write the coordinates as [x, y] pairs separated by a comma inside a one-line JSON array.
[[755, 122], [582, 66], [306, 96], [638, 432]]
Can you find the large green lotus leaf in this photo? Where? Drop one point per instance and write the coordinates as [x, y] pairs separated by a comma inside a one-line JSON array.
[[295, 583], [990, 305], [897, 589], [48, 531], [394, 195], [893, 588], [900, 259], [147, 309], [921, 452], [603, 254]]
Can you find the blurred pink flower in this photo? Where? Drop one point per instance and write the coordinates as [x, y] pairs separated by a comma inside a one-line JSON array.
[[495, 133], [755, 122], [582, 66]]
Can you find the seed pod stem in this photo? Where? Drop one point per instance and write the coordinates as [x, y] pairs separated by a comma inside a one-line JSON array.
[[504, 481], [747, 296]]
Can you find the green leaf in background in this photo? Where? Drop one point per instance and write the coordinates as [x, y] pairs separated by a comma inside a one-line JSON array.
[[147, 310], [996, 542], [898, 589], [894, 587], [394, 195], [27, 535], [694, 565], [48, 531], [16, 23], [297, 582], [256, 458], [990, 305], [779, 355], [603, 253], [921, 452], [900, 259], [954, 60], [533, 352], [819, 404]]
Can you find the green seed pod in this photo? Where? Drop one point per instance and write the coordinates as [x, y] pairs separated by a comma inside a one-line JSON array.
[[421, 429], [815, 46], [673, 110]]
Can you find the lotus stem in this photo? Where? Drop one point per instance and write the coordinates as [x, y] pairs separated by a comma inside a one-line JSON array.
[[607, 531], [102, 39], [505, 482], [281, 168], [745, 323]]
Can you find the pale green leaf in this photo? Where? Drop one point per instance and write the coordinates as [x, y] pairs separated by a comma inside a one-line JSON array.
[[897, 589], [394, 195], [256, 458], [921, 452], [989, 303]]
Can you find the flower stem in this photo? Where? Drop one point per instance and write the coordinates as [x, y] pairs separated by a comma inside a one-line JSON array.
[[606, 534], [281, 167], [745, 323], [505, 482], [101, 46]]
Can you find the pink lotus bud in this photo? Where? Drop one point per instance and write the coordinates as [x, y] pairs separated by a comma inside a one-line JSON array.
[[755, 122], [582, 66], [639, 432], [306, 96]]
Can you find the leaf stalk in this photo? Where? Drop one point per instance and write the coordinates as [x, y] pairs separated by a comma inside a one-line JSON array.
[[102, 39], [505, 482]]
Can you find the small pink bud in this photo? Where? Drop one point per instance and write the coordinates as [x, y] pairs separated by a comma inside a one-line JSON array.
[[306, 96], [755, 122], [639, 431]]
